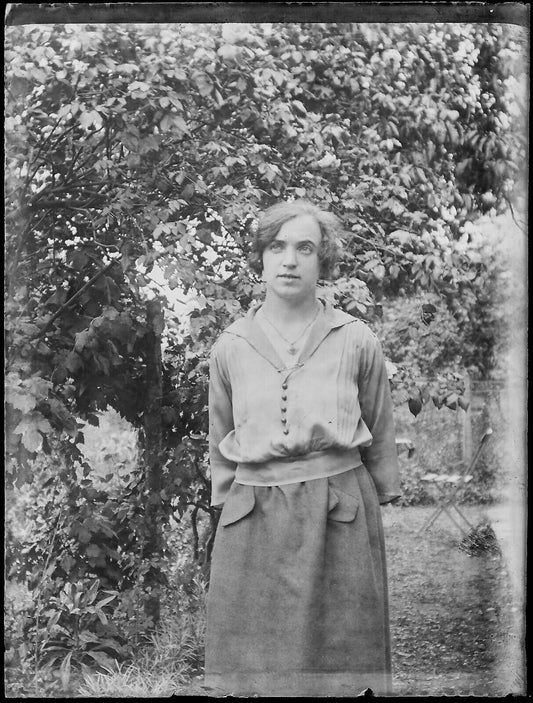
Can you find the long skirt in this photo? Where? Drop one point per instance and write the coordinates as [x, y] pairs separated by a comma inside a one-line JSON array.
[[297, 602]]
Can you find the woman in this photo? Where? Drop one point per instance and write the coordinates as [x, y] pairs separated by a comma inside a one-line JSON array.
[[302, 452]]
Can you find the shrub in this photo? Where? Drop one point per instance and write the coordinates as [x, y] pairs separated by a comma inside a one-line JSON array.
[[75, 550], [165, 663]]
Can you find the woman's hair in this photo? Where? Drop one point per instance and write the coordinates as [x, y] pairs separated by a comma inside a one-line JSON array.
[[273, 218]]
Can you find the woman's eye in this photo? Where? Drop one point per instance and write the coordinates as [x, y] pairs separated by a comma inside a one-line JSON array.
[[276, 246], [306, 249]]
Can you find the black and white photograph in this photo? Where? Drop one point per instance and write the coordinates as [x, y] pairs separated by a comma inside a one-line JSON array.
[[265, 349]]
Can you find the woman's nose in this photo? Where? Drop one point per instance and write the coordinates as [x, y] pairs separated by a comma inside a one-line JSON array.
[[289, 258]]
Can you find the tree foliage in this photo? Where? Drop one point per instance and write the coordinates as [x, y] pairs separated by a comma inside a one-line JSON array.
[[131, 148]]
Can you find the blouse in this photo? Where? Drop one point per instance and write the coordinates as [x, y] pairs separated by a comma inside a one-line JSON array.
[[271, 424]]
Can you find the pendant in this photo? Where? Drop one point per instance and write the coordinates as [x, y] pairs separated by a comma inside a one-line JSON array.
[[292, 350]]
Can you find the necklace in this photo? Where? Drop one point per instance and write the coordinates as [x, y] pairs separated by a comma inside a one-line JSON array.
[[292, 349]]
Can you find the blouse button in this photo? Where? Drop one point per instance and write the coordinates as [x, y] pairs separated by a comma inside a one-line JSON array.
[[284, 385], [284, 420], [283, 409], [284, 396], [285, 431]]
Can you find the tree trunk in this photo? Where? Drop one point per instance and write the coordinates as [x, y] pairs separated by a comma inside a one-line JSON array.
[[153, 456]]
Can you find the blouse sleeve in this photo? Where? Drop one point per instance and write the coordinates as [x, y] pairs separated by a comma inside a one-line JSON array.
[[220, 424], [380, 458]]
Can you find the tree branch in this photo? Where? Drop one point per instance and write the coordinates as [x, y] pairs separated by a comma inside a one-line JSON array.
[[510, 204], [75, 157], [66, 189], [30, 177], [73, 298], [73, 204], [379, 246]]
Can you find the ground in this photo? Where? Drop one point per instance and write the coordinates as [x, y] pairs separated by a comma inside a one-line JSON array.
[[455, 616]]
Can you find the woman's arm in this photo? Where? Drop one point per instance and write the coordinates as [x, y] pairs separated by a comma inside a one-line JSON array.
[[380, 458], [220, 424]]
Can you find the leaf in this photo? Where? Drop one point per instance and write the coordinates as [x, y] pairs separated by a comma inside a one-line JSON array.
[[415, 406], [73, 362], [175, 101], [20, 399], [81, 340], [188, 191], [299, 108], [327, 160], [93, 550], [379, 272], [102, 617], [438, 401], [394, 270], [84, 535], [203, 83], [64, 671], [107, 600], [464, 404], [38, 74], [92, 118], [204, 234], [127, 68], [69, 109], [67, 562], [53, 619], [173, 122], [30, 427], [110, 312], [462, 166], [41, 423], [139, 88], [101, 658], [451, 401], [453, 134], [93, 420], [228, 52]]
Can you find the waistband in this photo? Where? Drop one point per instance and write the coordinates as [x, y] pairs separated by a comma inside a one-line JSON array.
[[294, 469]]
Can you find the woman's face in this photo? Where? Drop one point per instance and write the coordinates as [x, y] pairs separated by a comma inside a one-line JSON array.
[[290, 262]]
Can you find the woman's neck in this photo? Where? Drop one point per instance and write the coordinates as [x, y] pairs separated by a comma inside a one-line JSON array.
[[286, 313]]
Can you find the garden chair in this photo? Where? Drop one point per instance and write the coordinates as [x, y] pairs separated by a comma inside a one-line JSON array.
[[448, 487]]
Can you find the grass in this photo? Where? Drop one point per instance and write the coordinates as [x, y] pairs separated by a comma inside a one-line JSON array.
[[168, 664], [129, 682]]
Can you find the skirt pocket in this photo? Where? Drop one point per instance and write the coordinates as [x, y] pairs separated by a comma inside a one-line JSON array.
[[239, 503], [343, 498]]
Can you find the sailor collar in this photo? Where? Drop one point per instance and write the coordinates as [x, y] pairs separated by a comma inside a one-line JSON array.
[[249, 329]]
